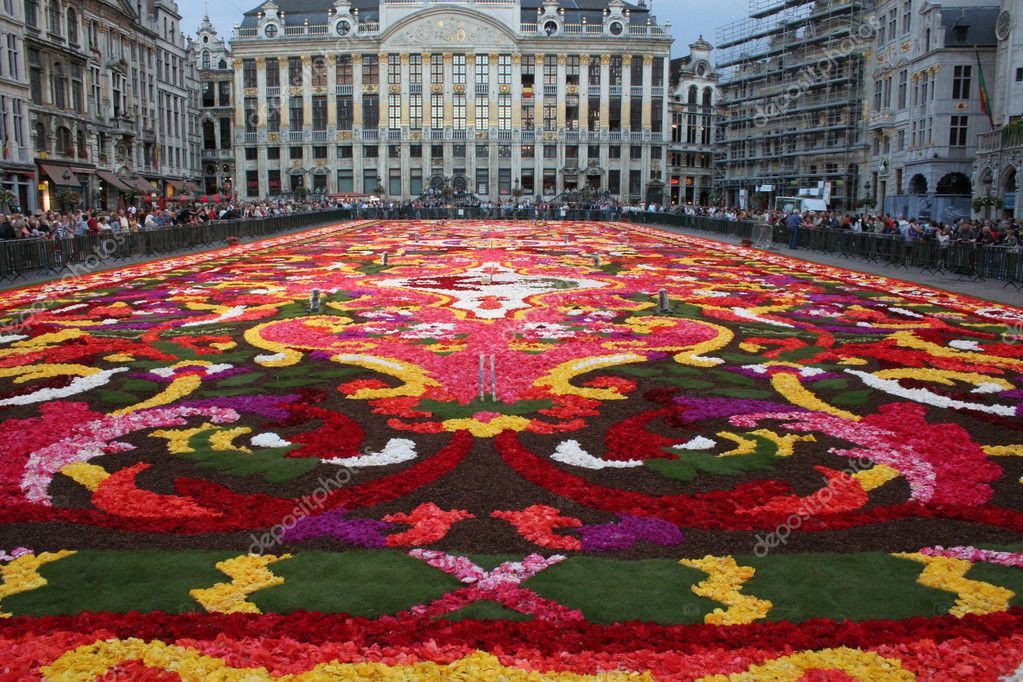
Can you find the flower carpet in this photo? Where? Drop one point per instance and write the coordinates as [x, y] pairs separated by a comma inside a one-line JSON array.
[[507, 451]]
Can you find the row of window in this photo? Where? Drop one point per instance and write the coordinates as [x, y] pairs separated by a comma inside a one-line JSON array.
[[458, 151], [532, 73], [429, 111], [924, 87], [922, 134], [547, 182], [889, 28]]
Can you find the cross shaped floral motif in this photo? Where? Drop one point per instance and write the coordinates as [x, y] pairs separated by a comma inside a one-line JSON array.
[[500, 585]]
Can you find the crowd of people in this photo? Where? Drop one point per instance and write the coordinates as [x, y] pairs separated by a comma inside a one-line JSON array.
[[83, 223], [999, 232], [79, 223]]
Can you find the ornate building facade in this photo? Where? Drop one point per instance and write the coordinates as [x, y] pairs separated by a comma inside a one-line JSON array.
[[924, 100], [503, 98], [105, 77], [693, 98], [17, 172], [999, 161], [214, 62]]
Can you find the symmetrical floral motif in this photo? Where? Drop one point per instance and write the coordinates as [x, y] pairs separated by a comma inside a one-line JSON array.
[[489, 393]]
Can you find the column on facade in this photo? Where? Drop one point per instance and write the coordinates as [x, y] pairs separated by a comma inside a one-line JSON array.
[[605, 91], [449, 104], [357, 158], [627, 92], [406, 159], [282, 67], [331, 91], [584, 92], [562, 80], [648, 62], [261, 103], [470, 91]]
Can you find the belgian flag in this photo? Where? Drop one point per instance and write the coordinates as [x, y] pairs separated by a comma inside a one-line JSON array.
[[985, 103]]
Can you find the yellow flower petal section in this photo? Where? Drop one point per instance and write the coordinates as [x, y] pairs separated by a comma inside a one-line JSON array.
[[744, 446], [786, 442], [175, 391], [87, 475], [223, 440], [1003, 450], [559, 379], [948, 575], [414, 377], [723, 586], [861, 665], [248, 573], [793, 390], [489, 429], [94, 660], [910, 340], [177, 439], [876, 476], [22, 574]]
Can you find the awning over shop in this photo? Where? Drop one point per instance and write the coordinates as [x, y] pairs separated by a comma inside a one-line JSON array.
[[191, 187], [142, 185], [83, 171], [112, 180], [178, 185], [56, 174]]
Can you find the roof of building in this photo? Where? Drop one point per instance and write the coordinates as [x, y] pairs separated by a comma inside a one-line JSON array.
[[298, 11], [969, 26]]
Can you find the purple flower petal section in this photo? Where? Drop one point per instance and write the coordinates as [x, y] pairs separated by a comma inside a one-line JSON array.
[[269, 406], [334, 525], [629, 531]]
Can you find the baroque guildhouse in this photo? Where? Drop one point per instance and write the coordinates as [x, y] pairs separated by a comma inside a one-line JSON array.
[[501, 98], [17, 172], [926, 112], [692, 100], [999, 157], [216, 103], [104, 77]]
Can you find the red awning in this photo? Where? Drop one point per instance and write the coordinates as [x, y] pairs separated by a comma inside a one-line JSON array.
[[112, 180], [56, 174]]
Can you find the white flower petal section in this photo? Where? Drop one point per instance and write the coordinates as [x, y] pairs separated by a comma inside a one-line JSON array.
[[698, 443], [396, 451], [269, 440], [962, 344], [12, 338], [77, 385], [234, 312], [570, 452], [988, 388], [922, 395], [276, 357], [747, 315]]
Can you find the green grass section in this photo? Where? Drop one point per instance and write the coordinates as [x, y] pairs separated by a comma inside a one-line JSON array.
[[607, 591], [363, 583], [854, 586], [373, 583], [120, 582]]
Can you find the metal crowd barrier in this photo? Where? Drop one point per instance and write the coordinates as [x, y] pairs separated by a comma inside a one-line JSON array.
[[21, 258]]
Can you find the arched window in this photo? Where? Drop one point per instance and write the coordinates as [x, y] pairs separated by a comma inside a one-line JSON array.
[[205, 59], [42, 142], [83, 150], [58, 86], [64, 141], [72, 26], [223, 64], [53, 17], [707, 96], [693, 95]]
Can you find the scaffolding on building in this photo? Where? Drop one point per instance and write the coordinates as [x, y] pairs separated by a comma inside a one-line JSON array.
[[792, 97]]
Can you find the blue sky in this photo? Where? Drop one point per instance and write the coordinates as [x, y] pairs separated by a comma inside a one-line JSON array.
[[689, 18]]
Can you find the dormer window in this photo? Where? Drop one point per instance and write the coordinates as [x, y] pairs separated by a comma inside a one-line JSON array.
[[270, 31], [616, 28]]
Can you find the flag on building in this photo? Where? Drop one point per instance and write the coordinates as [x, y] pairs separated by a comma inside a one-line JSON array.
[[985, 103]]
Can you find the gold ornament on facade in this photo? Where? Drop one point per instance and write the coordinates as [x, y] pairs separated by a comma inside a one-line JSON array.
[[459, 89], [273, 137], [344, 135], [539, 59], [394, 88], [237, 63], [907, 46], [437, 88], [516, 58], [626, 60], [648, 60], [356, 59], [403, 57], [306, 60], [483, 135], [605, 59], [572, 90], [295, 91], [261, 62], [371, 89], [448, 56], [249, 92], [505, 88], [562, 59]]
